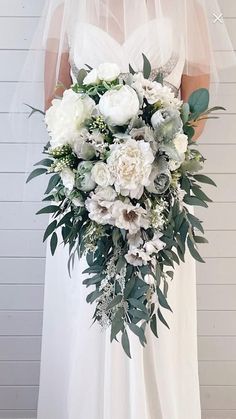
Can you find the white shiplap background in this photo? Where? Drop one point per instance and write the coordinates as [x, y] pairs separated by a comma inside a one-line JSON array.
[[22, 255]]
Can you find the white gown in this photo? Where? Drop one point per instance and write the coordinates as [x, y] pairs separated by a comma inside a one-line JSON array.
[[83, 375]]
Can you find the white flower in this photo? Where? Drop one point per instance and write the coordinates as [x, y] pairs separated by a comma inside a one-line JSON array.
[[65, 117], [84, 181], [157, 119], [105, 194], [68, 178], [154, 91], [108, 71], [181, 143], [131, 165], [154, 245], [92, 77], [118, 107], [102, 175], [134, 240], [129, 217], [100, 210], [82, 148], [137, 257], [173, 165]]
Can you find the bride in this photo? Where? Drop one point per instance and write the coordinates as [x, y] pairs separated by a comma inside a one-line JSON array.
[[83, 375]]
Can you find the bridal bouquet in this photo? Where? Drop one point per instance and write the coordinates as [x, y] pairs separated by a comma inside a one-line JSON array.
[[123, 168]]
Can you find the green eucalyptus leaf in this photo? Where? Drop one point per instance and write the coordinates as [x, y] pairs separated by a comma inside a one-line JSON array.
[[138, 314], [146, 67], [138, 331], [125, 343], [200, 194], [129, 286], [162, 300], [116, 300], [49, 209], [193, 200], [161, 318], [49, 230], [185, 112], [195, 222], [138, 304], [35, 173], [199, 101], [200, 239], [53, 243], [204, 179], [117, 323], [193, 251], [52, 183], [153, 325], [44, 162]]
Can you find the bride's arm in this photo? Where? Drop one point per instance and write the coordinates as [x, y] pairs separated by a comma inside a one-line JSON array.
[[188, 85], [64, 78], [51, 62]]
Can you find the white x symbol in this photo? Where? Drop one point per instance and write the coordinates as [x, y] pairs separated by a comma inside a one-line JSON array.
[[218, 18]]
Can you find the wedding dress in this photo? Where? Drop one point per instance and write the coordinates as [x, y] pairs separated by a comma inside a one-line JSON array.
[[83, 375]]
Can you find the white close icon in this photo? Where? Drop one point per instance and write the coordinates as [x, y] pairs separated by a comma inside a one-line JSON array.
[[218, 18]]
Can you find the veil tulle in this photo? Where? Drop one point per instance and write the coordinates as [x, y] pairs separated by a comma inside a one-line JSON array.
[[191, 27]]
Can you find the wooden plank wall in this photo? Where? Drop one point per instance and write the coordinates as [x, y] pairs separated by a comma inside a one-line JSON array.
[[22, 255]]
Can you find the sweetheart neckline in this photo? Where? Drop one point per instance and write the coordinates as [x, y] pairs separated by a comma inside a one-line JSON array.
[[126, 41]]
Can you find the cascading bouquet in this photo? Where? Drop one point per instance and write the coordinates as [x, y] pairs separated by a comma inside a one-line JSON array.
[[124, 166]]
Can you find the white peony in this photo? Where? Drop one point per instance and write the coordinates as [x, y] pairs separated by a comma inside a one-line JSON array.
[[68, 178], [101, 174], [108, 71], [92, 77], [129, 217], [137, 257], [118, 107], [65, 117], [131, 165]]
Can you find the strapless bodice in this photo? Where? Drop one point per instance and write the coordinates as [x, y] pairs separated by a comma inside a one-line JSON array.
[[99, 46]]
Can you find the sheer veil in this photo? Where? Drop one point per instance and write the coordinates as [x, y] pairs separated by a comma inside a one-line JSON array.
[[191, 26]]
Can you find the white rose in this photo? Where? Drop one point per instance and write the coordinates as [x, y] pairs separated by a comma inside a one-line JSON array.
[[101, 174], [118, 107], [65, 117], [92, 77], [181, 143], [108, 71], [68, 178], [131, 165]]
